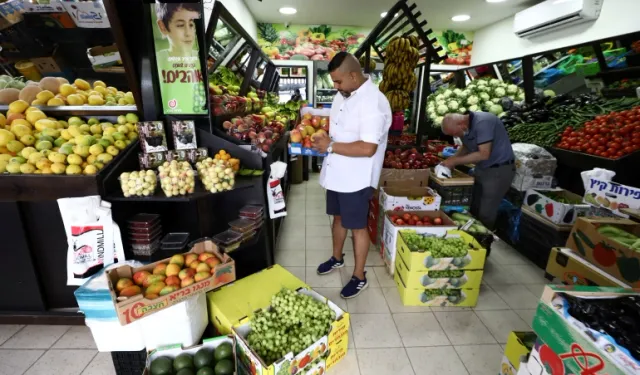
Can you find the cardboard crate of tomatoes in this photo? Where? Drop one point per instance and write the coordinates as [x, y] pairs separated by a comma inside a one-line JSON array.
[[410, 159]]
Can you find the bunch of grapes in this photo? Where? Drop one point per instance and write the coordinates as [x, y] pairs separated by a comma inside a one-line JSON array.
[[294, 322], [453, 247]]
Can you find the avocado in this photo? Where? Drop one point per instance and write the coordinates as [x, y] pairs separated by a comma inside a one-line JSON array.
[[206, 371], [183, 361], [186, 371], [224, 367], [161, 366], [203, 358], [223, 351]]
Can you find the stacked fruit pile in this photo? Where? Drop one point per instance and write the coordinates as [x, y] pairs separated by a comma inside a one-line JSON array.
[[57, 91], [32, 143], [410, 159], [206, 362], [216, 174], [181, 271], [256, 129], [309, 127], [225, 156], [176, 178], [413, 219], [138, 183], [294, 322], [401, 59]]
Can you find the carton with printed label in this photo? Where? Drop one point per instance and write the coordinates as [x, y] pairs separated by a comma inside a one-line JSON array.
[[611, 196], [130, 309], [558, 206]]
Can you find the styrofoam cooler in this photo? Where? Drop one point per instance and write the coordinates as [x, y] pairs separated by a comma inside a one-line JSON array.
[[110, 336]]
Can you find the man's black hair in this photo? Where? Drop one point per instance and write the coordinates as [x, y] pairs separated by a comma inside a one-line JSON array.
[[337, 60], [165, 11]]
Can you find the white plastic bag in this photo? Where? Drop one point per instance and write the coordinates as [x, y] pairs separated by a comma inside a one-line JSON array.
[[442, 171], [275, 195], [599, 173]]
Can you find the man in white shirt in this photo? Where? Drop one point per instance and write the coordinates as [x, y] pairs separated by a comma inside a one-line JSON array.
[[360, 122]]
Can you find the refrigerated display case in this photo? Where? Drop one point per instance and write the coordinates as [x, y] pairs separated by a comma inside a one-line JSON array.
[[295, 75]]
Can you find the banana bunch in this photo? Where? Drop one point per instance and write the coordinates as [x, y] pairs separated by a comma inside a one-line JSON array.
[[372, 64], [397, 74], [398, 99], [401, 50]]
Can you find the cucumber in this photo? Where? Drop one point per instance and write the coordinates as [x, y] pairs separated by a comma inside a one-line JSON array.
[[462, 217]]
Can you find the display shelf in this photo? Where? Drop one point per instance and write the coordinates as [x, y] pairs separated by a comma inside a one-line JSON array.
[[325, 103], [84, 110], [19, 187], [198, 193]]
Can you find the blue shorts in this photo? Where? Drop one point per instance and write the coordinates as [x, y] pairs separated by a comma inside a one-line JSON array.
[[353, 208]]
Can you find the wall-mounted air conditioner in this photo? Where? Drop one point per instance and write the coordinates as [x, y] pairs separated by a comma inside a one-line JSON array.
[[552, 15]]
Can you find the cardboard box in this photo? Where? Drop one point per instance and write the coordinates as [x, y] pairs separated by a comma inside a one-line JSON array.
[[88, 14], [330, 349], [614, 258], [54, 6], [239, 299], [390, 232], [11, 11], [398, 198], [611, 196], [571, 269], [535, 365], [172, 351], [423, 261], [559, 213], [468, 279], [404, 177], [435, 297], [104, 56], [523, 182], [137, 307], [519, 345], [569, 342]]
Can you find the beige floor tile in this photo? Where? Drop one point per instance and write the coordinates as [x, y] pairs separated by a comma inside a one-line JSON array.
[[16, 362], [8, 330], [375, 331], [102, 364], [299, 272], [502, 322], [347, 272], [504, 254], [464, 328], [347, 366], [287, 258], [68, 362], [527, 315], [333, 294], [292, 241], [489, 300], [35, 337], [316, 257], [395, 304], [317, 219], [331, 280], [480, 359], [536, 289], [384, 362], [528, 274], [323, 231], [438, 360], [316, 205], [518, 297], [373, 258], [77, 337], [420, 329], [369, 301], [319, 243], [384, 278], [495, 274]]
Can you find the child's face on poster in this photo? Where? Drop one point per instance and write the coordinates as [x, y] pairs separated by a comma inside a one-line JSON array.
[[181, 29]]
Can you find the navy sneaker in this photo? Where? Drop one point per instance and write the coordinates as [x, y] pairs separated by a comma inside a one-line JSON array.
[[354, 287], [330, 265]]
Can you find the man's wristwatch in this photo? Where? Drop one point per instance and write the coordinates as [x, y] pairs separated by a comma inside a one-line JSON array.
[[330, 148]]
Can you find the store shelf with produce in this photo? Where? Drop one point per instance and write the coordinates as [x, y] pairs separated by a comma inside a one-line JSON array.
[[84, 110]]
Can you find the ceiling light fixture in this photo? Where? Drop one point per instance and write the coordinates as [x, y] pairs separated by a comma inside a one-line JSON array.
[[288, 10], [384, 14], [461, 18]]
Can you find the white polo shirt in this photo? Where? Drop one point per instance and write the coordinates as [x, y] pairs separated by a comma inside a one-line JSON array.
[[363, 116]]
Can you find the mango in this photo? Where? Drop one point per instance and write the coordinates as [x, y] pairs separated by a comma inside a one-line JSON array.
[[123, 283], [35, 115], [28, 139], [44, 164], [5, 137], [66, 149], [187, 281], [3, 119], [168, 289], [113, 150], [194, 264], [203, 267], [104, 158], [189, 258], [13, 168], [155, 288], [204, 256], [160, 269], [27, 151], [172, 269], [132, 117], [58, 168], [95, 129], [90, 170], [85, 128], [140, 276], [73, 170], [27, 168], [34, 157], [172, 280], [3, 166], [96, 149], [202, 276], [75, 121], [75, 99], [74, 159], [82, 84], [51, 132], [99, 84], [120, 145], [55, 102], [130, 291], [151, 279], [176, 259], [81, 150], [15, 146], [95, 100], [19, 106], [187, 272], [45, 96], [44, 145], [42, 124]]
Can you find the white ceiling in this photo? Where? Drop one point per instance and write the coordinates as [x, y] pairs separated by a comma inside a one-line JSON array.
[[366, 13]]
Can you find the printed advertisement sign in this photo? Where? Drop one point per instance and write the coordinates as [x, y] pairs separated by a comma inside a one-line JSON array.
[[177, 57]]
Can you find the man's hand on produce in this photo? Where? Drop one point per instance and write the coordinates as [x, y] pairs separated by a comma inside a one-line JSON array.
[[450, 163], [321, 142]]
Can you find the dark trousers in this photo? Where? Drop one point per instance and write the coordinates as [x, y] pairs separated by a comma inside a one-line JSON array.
[[490, 186]]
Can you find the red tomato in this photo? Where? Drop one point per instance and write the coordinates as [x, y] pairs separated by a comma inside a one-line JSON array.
[[415, 217]]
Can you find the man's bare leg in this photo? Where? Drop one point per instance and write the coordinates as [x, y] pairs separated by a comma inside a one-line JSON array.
[[339, 234], [360, 250]]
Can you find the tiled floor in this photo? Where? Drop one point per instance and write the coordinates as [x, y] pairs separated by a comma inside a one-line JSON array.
[[386, 338]]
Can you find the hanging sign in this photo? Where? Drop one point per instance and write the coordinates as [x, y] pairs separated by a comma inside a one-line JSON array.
[[182, 84]]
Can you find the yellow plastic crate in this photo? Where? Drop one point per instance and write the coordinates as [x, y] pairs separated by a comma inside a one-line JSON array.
[[425, 297]]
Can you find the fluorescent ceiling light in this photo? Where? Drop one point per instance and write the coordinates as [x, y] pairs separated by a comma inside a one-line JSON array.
[[384, 14], [288, 10], [495, 1], [461, 18]]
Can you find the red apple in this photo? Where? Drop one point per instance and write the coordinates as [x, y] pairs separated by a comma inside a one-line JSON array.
[[399, 222], [411, 222], [437, 221], [419, 223], [406, 217], [415, 217]]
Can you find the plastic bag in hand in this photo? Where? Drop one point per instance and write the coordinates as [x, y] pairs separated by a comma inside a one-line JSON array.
[[442, 171]]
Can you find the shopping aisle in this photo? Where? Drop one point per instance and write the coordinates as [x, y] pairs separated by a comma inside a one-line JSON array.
[[387, 338]]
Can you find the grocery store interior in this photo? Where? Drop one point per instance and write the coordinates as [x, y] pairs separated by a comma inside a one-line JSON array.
[[164, 211]]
